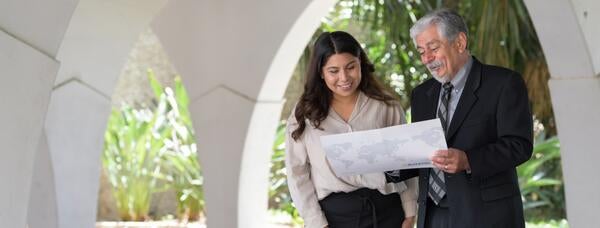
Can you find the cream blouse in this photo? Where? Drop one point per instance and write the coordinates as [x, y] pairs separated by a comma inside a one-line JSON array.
[[310, 178]]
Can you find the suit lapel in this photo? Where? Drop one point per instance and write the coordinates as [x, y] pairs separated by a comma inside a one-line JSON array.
[[433, 95], [467, 98]]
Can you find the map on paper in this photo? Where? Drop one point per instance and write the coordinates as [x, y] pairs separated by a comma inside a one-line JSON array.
[[398, 147]]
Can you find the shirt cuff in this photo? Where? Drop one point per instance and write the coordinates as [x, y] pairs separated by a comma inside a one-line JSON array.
[[318, 221]]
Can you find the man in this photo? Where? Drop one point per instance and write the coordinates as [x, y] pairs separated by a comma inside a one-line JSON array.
[[485, 113]]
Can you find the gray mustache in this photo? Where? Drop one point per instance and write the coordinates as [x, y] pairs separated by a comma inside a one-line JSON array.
[[434, 64]]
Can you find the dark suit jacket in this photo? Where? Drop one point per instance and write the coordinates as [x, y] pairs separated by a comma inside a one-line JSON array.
[[493, 125]]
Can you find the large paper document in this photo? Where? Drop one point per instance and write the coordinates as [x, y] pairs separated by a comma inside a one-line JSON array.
[[405, 146]]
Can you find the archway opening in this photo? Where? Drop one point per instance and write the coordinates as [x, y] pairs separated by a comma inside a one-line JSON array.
[[151, 171], [382, 29]]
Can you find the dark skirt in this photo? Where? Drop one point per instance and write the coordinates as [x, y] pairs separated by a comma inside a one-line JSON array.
[[363, 208]]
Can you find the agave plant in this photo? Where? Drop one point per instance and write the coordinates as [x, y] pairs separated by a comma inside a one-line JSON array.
[[131, 157], [148, 150], [181, 167]]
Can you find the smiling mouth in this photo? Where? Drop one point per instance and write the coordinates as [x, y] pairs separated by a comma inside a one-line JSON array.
[[345, 85], [434, 66]]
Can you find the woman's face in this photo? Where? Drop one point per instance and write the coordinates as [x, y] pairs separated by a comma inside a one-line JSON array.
[[342, 74]]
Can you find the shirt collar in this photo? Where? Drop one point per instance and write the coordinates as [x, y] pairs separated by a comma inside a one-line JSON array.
[[361, 101]]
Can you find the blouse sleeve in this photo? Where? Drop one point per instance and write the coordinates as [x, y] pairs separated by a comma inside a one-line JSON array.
[[395, 115], [409, 197], [300, 184]]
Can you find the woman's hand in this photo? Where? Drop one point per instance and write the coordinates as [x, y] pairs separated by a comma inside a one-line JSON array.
[[409, 222]]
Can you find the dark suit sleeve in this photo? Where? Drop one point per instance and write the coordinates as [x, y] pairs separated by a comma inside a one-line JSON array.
[[514, 132], [397, 176]]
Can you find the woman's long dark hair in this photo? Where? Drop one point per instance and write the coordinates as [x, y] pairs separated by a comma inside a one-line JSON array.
[[316, 98]]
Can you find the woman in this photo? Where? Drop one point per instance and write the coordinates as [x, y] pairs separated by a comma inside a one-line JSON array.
[[341, 95]]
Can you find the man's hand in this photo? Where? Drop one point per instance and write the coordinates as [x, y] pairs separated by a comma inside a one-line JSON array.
[[451, 160], [409, 222]]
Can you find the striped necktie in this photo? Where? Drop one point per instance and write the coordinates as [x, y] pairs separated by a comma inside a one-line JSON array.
[[437, 184]]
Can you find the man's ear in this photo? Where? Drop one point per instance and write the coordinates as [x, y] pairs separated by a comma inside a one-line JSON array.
[[461, 42]]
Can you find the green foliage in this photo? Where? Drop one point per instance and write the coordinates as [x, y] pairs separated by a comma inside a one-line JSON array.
[[501, 33], [382, 28], [182, 170], [132, 145], [541, 183], [279, 197], [548, 224], [153, 149]]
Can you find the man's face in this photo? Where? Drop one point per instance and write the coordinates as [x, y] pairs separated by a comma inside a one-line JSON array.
[[442, 57]]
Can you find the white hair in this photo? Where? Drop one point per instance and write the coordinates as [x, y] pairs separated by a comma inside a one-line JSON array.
[[449, 24]]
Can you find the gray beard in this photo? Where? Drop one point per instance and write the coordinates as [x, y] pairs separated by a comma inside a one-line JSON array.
[[442, 79]]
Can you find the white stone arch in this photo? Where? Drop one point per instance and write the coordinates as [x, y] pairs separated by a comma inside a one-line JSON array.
[[29, 40], [236, 62], [92, 54], [569, 33], [27, 76]]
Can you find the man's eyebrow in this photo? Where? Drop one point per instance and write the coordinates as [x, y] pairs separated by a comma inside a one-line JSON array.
[[428, 44], [433, 42]]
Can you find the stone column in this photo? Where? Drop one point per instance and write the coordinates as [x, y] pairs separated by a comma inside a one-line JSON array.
[[569, 34]]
